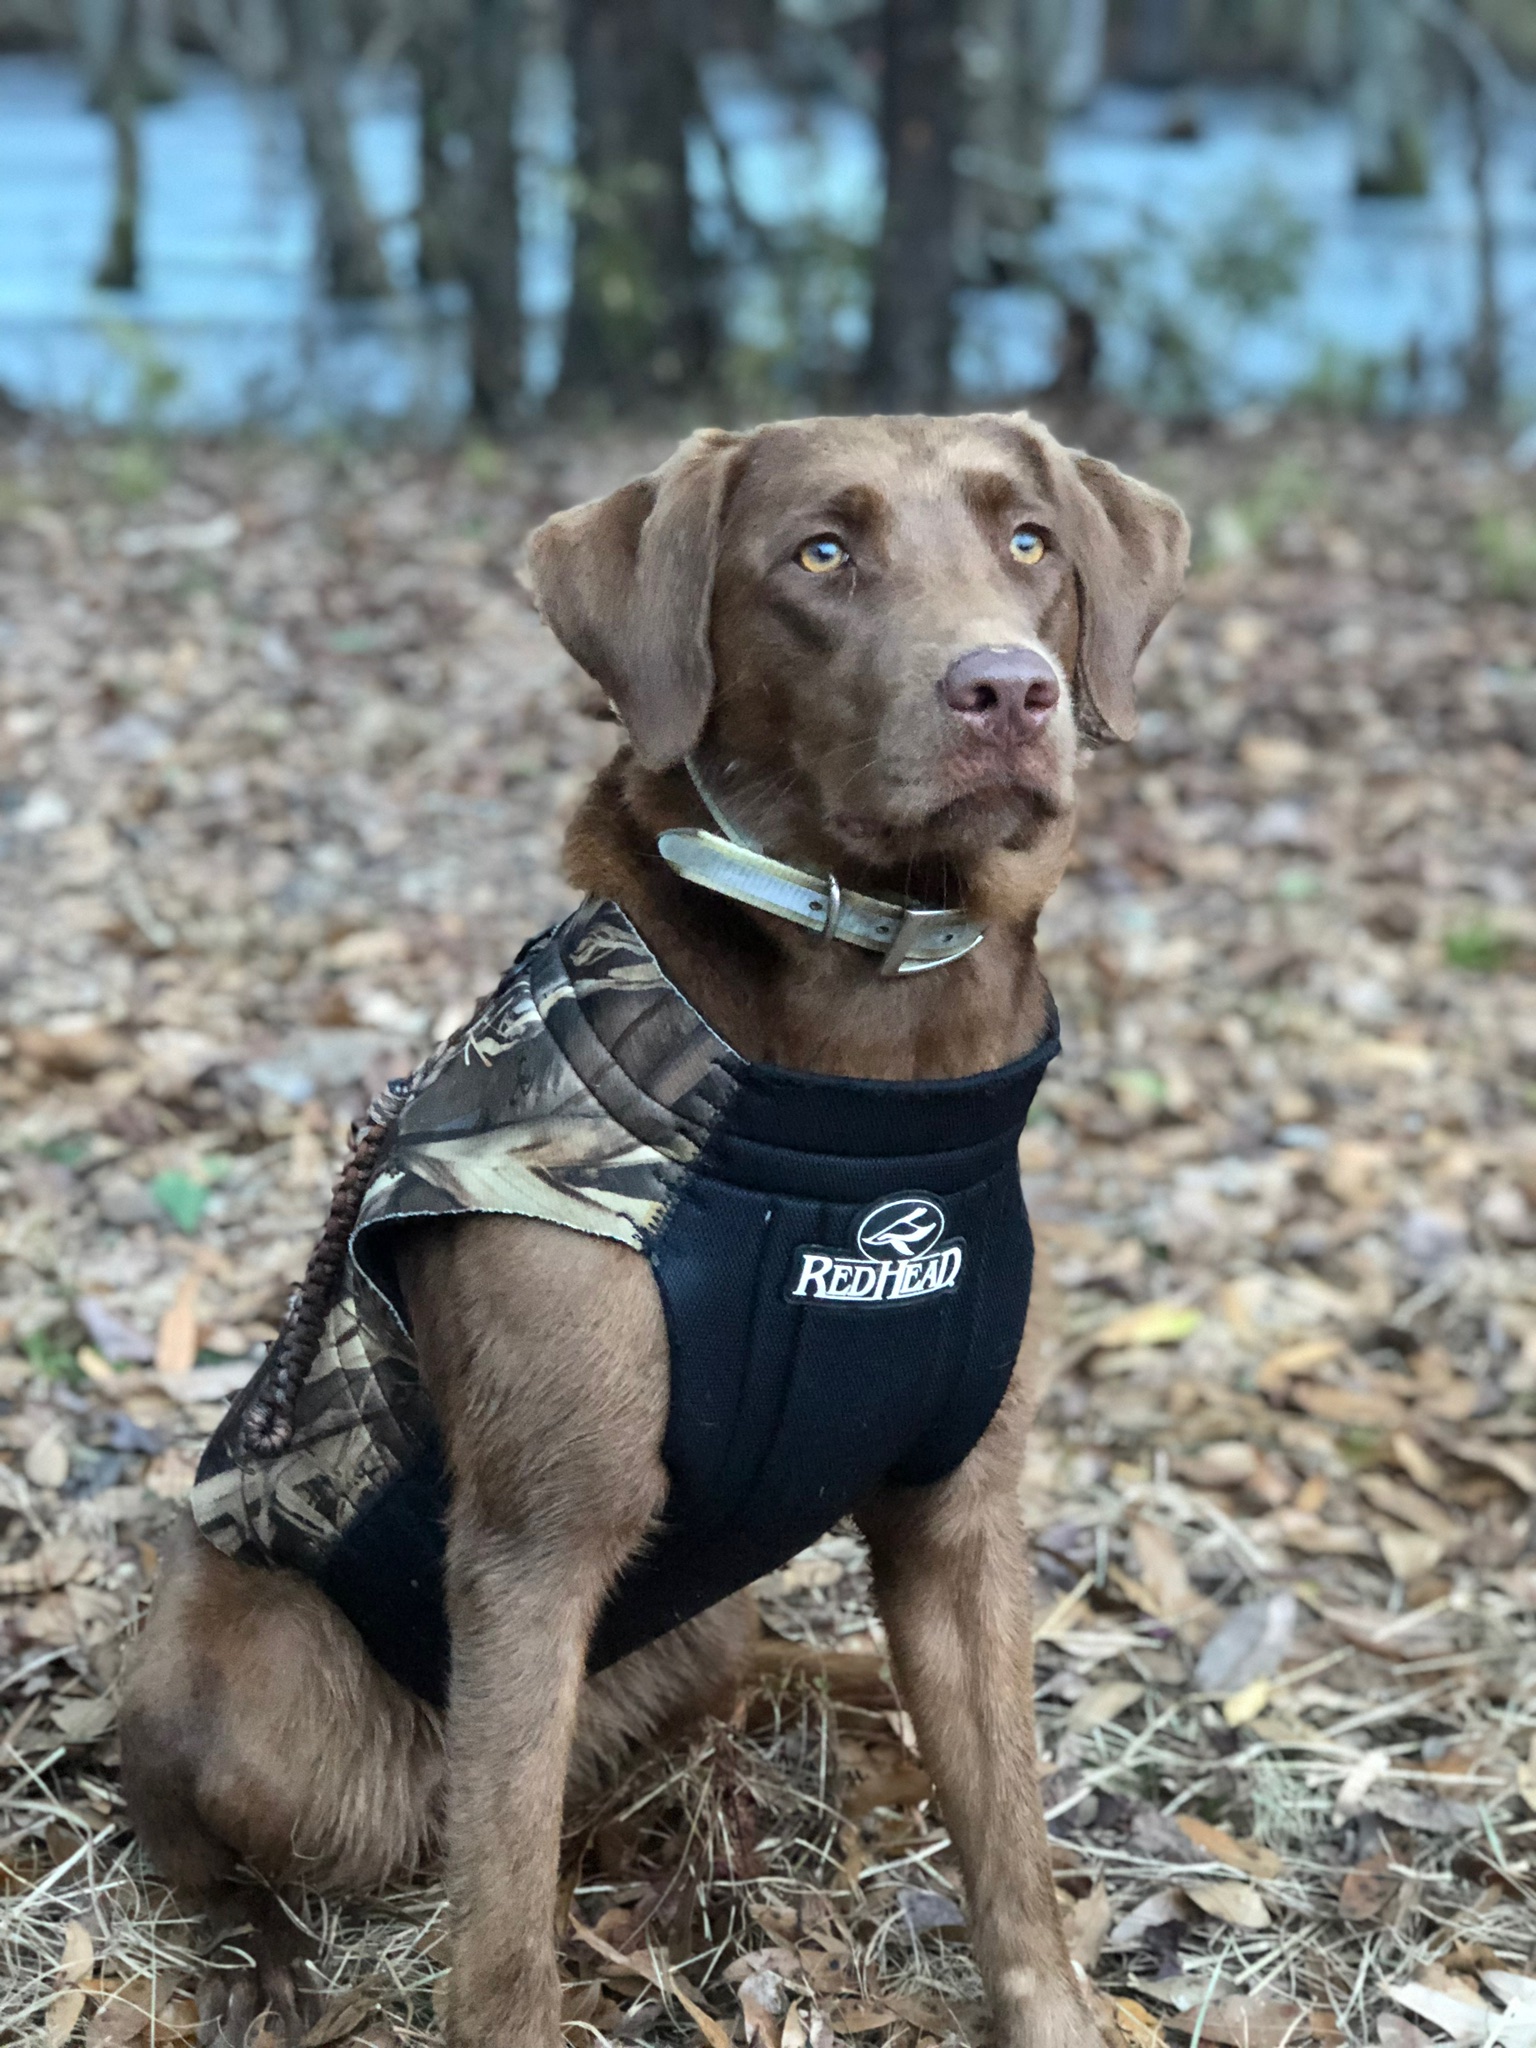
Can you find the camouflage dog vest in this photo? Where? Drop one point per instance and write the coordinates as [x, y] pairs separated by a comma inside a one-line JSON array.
[[844, 1268]]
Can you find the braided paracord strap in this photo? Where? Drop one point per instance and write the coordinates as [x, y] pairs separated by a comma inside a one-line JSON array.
[[268, 1426]]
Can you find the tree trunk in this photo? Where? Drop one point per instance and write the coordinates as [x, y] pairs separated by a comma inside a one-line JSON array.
[[912, 321], [351, 259], [119, 267], [439, 55], [1077, 353], [643, 322], [1005, 73], [1325, 46], [155, 51], [109, 46], [1159, 44], [1388, 103], [1485, 357], [490, 255], [1079, 33], [247, 35]]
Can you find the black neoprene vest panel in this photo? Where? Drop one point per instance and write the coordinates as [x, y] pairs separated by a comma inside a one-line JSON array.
[[845, 1273]]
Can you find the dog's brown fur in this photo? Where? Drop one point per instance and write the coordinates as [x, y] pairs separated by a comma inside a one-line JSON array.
[[257, 1733]]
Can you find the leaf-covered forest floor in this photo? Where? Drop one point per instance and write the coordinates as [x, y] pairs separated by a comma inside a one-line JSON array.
[[284, 758]]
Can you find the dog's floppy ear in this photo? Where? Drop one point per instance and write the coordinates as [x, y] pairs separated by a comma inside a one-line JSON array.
[[1129, 546], [625, 584]]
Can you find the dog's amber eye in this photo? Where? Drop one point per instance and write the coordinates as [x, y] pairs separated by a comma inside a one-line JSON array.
[[821, 554], [1026, 545]]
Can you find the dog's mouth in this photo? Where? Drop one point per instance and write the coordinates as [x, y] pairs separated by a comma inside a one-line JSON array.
[[990, 813], [971, 802]]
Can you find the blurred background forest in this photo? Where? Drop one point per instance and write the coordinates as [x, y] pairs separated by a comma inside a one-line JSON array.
[[300, 211]]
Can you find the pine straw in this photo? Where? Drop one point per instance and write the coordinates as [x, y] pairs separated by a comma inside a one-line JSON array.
[[743, 1846]]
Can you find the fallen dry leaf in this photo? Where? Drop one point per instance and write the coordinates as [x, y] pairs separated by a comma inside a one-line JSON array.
[[1410, 1553], [762, 1999], [177, 1338], [1085, 1924], [921, 1909], [1396, 1637], [96, 1368], [1393, 2031], [1421, 1469], [830, 1972], [1513, 1464], [1239, 1708], [1251, 1857], [62, 2015], [1366, 1889], [1155, 1322], [1515, 1988], [1219, 1465], [170, 1476], [1421, 1811], [1349, 1406], [123, 2021], [1243, 2022], [1154, 1911], [1163, 1585], [1136, 2024], [1250, 1644], [84, 1720], [47, 1462], [78, 1953], [1291, 1361], [342, 2019], [1314, 1537], [1358, 1782], [56, 1560], [1410, 1506], [666, 1980], [1225, 1899], [859, 2016], [1467, 2020], [1104, 1703]]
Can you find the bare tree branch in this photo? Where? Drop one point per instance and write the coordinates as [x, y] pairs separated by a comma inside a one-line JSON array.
[[351, 258], [247, 35]]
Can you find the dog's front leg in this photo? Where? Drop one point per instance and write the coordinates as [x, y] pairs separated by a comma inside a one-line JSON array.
[[952, 1580], [546, 1356], [521, 1620]]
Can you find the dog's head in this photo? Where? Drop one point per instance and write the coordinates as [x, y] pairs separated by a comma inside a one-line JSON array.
[[884, 635]]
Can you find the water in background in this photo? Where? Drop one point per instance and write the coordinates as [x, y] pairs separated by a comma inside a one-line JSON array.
[[1232, 268]]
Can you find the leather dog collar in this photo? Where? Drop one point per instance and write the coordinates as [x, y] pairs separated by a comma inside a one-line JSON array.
[[912, 937]]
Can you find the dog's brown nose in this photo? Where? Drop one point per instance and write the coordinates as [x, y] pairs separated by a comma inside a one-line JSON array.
[[1005, 693]]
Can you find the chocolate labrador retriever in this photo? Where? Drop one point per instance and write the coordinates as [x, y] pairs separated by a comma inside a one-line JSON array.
[[705, 1231]]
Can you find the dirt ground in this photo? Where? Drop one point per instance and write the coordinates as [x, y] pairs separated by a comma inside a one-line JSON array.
[[284, 758]]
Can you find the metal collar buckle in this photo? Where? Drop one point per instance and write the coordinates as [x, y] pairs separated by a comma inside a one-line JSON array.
[[834, 907], [938, 929]]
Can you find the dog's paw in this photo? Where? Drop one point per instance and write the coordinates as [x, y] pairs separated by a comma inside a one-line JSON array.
[[254, 1993], [249, 2008]]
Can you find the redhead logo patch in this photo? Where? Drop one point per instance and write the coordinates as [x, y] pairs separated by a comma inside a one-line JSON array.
[[900, 1255]]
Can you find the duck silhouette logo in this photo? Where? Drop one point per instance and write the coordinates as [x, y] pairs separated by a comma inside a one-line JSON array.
[[901, 1229], [901, 1255]]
